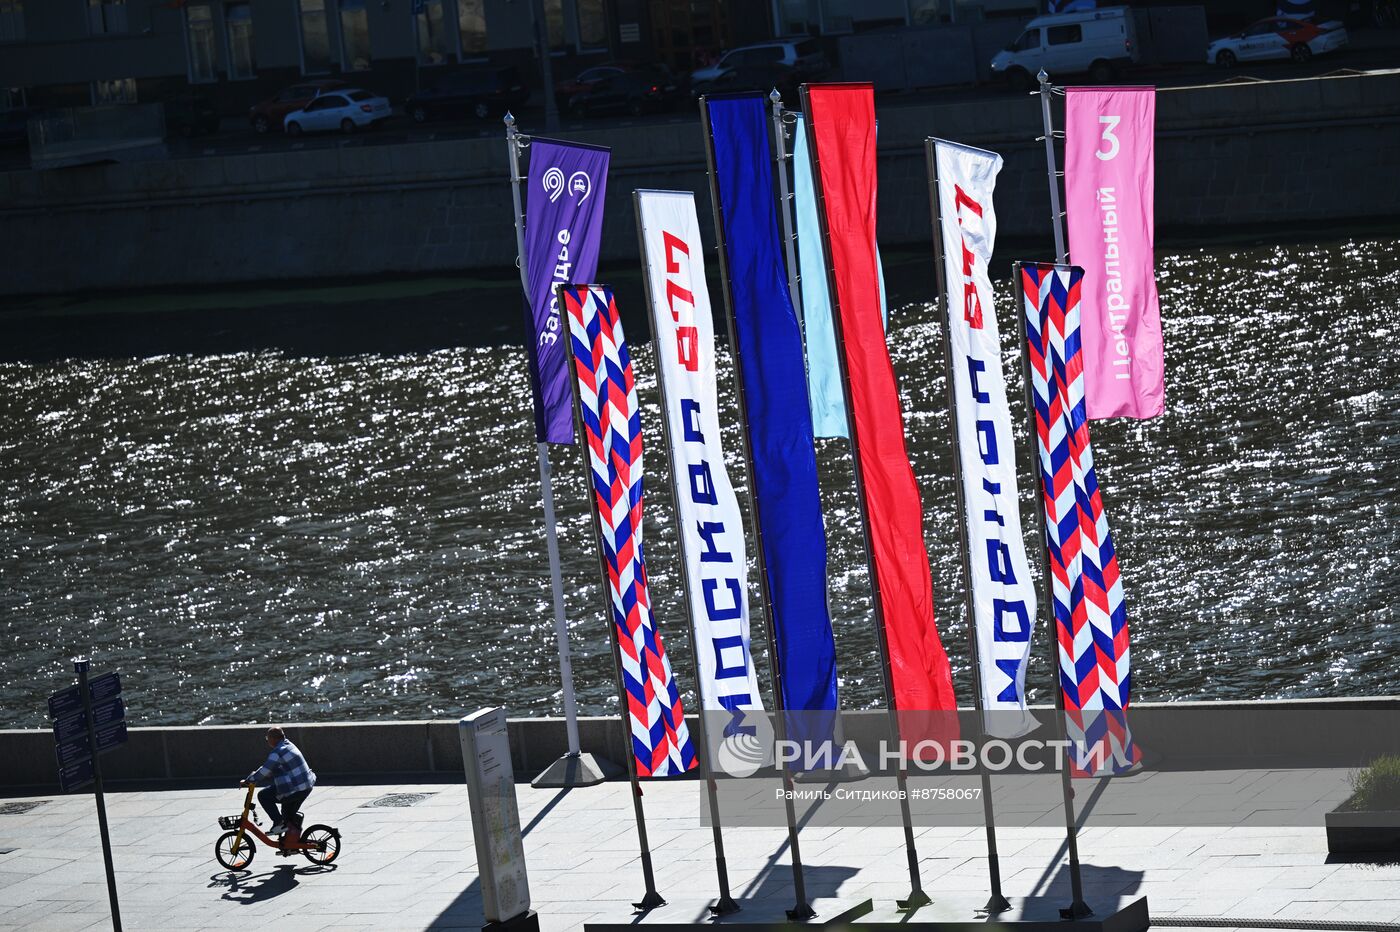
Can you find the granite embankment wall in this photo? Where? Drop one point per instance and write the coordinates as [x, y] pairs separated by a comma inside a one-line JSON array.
[[1320, 149], [1176, 736]]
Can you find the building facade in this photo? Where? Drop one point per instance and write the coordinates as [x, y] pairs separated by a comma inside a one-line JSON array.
[[81, 52]]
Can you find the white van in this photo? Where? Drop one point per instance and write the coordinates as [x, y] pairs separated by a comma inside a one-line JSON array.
[[1096, 42]]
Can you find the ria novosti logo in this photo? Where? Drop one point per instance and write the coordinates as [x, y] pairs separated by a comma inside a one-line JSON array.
[[747, 745]]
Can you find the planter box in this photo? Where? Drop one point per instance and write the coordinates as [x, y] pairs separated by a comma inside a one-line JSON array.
[[1363, 832]]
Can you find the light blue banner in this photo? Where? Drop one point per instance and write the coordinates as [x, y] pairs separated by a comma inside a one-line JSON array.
[[823, 372]]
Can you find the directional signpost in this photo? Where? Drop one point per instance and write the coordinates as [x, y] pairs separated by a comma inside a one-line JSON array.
[[89, 720]]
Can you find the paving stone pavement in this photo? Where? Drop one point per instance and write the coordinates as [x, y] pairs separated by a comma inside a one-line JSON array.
[[414, 867]]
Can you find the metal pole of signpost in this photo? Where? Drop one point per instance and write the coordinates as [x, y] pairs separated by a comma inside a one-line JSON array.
[[726, 903], [551, 530], [997, 902], [650, 898], [1057, 214], [917, 897], [801, 909], [1077, 909], [81, 668]]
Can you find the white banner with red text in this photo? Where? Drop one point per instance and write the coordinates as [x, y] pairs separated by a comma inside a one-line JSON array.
[[1003, 594]]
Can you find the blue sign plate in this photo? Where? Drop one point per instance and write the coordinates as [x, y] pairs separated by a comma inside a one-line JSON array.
[[79, 774], [65, 703], [68, 729], [113, 710], [105, 687], [73, 752], [111, 737]]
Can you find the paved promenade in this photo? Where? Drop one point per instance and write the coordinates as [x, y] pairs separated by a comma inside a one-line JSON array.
[[414, 867]]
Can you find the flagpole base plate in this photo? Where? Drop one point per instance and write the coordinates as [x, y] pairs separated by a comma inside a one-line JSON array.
[[913, 901], [652, 900], [724, 906], [801, 913], [573, 770], [996, 903], [1076, 910]]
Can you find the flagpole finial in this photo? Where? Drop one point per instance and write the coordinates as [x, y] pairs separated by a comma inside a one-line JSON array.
[[1043, 76], [508, 119], [775, 97]]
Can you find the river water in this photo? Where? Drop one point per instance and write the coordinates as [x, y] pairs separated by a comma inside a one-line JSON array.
[[275, 535]]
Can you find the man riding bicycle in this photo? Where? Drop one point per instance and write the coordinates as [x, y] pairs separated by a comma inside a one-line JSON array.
[[292, 780]]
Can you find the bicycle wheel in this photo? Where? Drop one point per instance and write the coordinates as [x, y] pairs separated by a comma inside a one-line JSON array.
[[325, 836], [223, 850]]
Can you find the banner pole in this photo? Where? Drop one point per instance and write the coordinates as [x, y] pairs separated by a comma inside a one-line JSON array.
[[650, 899], [1077, 909], [997, 903], [551, 530], [1057, 213], [917, 897], [781, 158], [801, 908], [726, 903]]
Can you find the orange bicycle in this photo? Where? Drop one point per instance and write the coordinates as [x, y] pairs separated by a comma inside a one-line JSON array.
[[235, 850]]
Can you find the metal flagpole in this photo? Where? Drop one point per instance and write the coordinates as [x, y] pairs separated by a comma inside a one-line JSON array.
[[917, 897], [1077, 909], [997, 902], [801, 909], [650, 899], [781, 158], [1057, 213], [514, 142], [726, 902]]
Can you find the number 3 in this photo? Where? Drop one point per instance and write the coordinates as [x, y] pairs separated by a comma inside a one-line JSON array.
[[1110, 124]]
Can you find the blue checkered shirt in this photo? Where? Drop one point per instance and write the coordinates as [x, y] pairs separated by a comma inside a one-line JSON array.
[[288, 770]]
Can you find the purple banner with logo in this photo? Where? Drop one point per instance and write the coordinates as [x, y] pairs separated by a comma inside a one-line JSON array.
[[563, 226]]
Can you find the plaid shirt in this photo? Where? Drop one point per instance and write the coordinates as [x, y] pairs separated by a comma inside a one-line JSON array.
[[288, 770]]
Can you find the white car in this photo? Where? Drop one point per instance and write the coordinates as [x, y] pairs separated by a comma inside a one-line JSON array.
[[346, 110], [1097, 42], [804, 56], [1277, 37]]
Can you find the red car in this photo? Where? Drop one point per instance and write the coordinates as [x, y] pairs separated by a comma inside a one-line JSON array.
[[591, 84], [271, 113]]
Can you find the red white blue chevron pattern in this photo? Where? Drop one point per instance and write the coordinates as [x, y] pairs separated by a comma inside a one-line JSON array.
[[612, 425], [1091, 621]]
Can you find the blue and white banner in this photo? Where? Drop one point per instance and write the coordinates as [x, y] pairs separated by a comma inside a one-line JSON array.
[[824, 390], [1003, 593], [711, 527]]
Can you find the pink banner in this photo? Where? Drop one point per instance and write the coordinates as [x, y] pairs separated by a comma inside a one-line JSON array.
[[1108, 203]]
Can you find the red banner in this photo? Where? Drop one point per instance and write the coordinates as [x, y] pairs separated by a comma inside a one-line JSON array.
[[842, 122]]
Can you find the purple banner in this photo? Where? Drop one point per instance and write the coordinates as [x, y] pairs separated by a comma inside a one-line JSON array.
[[563, 225]]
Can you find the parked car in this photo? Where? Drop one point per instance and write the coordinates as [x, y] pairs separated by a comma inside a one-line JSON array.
[[190, 115], [479, 92], [272, 113], [1094, 42], [1278, 37], [634, 92], [590, 80], [758, 77], [346, 111], [804, 56]]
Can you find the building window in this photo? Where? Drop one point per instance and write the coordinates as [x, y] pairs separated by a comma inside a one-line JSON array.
[[592, 25], [238, 29], [11, 20], [315, 38], [435, 40], [116, 91], [354, 35], [106, 16], [471, 26], [554, 19], [199, 42]]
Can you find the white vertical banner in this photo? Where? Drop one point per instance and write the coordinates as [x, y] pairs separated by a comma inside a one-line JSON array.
[[1003, 593], [711, 530]]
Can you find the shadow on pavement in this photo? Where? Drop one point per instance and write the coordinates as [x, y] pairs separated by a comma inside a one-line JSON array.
[[246, 887]]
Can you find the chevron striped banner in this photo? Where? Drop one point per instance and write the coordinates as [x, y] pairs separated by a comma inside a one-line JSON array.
[[1090, 619], [612, 426]]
